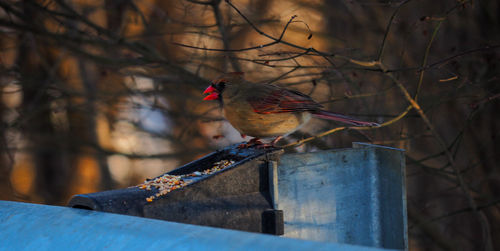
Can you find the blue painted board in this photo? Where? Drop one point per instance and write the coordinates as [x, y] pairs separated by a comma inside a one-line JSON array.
[[26, 226]]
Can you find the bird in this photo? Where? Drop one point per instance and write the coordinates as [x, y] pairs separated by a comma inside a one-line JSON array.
[[264, 110]]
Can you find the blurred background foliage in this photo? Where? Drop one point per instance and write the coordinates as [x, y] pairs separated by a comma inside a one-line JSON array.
[[99, 95]]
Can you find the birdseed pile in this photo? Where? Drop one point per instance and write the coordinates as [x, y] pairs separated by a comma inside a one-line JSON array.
[[167, 182]]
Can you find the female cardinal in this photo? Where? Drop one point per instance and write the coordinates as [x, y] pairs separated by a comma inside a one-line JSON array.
[[266, 110]]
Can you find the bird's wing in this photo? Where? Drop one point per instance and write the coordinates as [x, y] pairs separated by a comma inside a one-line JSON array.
[[279, 100]]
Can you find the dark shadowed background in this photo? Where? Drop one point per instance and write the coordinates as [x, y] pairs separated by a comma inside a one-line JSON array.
[[98, 95]]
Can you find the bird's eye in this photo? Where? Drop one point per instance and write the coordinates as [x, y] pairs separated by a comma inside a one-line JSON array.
[[220, 86]]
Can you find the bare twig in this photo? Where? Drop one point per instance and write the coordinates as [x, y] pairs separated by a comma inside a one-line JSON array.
[[223, 32], [386, 33], [482, 218]]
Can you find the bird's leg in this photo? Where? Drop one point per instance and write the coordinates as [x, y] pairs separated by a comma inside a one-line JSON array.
[[255, 141], [270, 145], [258, 144], [273, 143], [252, 142]]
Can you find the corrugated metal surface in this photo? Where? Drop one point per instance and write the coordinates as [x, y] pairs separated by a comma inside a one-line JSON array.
[[39, 227], [354, 196]]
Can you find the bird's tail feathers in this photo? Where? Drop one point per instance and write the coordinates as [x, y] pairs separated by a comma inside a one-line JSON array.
[[342, 118]]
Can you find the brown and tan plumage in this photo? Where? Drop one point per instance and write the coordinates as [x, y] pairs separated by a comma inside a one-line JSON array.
[[265, 110]]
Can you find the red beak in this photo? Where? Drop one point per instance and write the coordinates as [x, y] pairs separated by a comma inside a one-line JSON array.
[[214, 94], [210, 89]]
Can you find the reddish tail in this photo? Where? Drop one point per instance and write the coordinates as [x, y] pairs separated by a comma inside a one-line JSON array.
[[338, 117]]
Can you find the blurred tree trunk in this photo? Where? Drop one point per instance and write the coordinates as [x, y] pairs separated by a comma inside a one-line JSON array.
[[48, 147], [5, 157], [6, 160]]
